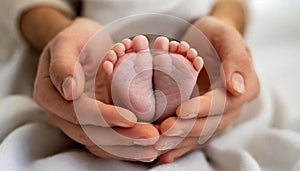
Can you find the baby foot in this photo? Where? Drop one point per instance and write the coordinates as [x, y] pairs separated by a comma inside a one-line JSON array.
[[130, 68], [176, 68]]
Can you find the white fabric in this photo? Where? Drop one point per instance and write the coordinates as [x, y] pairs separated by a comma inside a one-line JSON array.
[[27, 142], [257, 140], [106, 11]]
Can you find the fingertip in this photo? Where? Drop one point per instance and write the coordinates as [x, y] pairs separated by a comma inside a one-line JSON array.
[[178, 110], [165, 158], [67, 87], [127, 117], [188, 109], [68, 78], [167, 124], [71, 88]]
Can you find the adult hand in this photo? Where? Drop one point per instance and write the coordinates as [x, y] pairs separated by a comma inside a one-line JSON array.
[[242, 86], [64, 88]]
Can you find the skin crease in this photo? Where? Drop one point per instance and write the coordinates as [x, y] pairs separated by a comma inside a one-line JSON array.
[[227, 21]]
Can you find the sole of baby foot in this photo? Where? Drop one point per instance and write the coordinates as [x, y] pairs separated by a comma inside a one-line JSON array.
[[129, 65], [176, 68]]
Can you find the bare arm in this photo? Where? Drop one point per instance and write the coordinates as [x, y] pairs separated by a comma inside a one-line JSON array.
[[232, 12], [40, 24]]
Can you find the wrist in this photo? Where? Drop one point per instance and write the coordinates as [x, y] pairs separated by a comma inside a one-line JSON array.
[[39, 25], [230, 22], [231, 12]]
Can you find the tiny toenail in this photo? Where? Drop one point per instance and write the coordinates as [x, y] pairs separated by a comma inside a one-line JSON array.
[[201, 59], [127, 43], [185, 44], [174, 42], [125, 40], [194, 51]]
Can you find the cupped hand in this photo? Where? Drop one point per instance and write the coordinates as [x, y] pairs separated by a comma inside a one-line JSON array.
[[237, 84], [66, 87]]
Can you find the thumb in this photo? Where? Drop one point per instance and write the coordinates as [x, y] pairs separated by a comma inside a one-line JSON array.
[[66, 72], [234, 77], [241, 78], [236, 84]]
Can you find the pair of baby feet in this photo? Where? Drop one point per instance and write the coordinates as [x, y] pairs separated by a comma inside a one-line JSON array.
[[150, 83]]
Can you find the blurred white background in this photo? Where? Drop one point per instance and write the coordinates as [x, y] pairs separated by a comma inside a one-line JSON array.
[[274, 39]]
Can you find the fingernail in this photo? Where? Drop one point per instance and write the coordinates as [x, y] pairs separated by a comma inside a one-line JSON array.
[[238, 83], [143, 142], [194, 51], [148, 160], [121, 124], [175, 133], [126, 114], [188, 109], [166, 146], [68, 85], [185, 44], [189, 116]]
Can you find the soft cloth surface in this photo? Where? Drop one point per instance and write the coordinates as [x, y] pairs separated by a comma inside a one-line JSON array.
[[251, 143]]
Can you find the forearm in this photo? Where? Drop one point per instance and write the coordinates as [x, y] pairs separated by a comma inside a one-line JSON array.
[[232, 12], [40, 24]]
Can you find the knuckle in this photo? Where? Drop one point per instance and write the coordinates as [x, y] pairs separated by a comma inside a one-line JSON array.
[[62, 37]]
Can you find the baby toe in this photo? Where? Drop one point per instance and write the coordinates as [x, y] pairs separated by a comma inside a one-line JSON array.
[[119, 49], [173, 47], [111, 56], [140, 43], [161, 44], [127, 43], [191, 54], [198, 63], [183, 48]]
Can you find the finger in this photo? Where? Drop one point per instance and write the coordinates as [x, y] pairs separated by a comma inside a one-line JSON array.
[[144, 134], [140, 134], [211, 103], [131, 153], [65, 71], [168, 143], [83, 110], [201, 106], [237, 63], [201, 127], [241, 80], [170, 156]]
